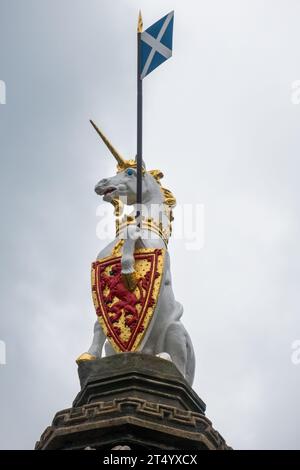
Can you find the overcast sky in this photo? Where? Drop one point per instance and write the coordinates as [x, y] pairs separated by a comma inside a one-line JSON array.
[[219, 122]]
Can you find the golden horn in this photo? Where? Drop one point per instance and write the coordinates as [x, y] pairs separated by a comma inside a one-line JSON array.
[[120, 160]]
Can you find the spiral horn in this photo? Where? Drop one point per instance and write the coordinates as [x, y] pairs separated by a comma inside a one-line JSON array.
[[111, 148]]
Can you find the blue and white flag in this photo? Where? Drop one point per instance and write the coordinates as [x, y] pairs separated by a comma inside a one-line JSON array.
[[156, 44]]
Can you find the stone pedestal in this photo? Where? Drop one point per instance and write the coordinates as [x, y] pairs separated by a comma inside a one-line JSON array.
[[133, 400]]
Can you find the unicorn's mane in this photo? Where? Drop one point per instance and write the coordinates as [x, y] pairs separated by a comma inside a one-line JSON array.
[[169, 198]]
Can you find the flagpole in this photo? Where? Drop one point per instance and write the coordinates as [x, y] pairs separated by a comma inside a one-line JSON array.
[[139, 154]]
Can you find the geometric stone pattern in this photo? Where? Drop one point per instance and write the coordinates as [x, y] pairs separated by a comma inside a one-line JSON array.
[[132, 420], [136, 375]]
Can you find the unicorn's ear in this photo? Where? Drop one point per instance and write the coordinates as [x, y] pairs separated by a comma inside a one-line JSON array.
[[157, 174], [143, 163]]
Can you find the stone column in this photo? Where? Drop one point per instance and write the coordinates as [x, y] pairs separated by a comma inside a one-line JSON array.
[[133, 400]]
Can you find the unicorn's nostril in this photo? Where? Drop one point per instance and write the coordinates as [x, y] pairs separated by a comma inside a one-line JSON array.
[[98, 187], [101, 184]]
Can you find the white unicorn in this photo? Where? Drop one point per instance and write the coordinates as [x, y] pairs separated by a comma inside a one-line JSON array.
[[166, 336]]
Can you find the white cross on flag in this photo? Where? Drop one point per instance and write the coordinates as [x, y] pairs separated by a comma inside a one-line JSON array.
[[156, 44]]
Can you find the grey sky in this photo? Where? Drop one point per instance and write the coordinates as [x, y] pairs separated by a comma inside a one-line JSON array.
[[220, 124]]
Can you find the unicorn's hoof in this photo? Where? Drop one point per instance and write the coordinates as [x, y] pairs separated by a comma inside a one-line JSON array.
[[85, 357], [165, 356], [130, 280]]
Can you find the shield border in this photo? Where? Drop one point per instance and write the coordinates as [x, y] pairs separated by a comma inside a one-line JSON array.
[[137, 337]]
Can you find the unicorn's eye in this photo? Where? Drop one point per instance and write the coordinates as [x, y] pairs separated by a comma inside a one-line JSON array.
[[130, 171]]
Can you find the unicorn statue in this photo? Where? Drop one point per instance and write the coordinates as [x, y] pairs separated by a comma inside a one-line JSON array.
[[131, 277]]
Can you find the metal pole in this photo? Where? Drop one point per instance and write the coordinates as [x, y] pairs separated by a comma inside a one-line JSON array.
[[139, 154]]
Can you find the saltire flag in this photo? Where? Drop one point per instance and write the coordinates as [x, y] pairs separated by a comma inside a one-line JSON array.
[[156, 44]]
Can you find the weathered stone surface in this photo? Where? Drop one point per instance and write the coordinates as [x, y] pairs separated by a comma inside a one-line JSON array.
[[138, 375], [134, 400]]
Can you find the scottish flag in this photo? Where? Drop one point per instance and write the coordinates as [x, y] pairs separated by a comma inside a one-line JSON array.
[[156, 44]]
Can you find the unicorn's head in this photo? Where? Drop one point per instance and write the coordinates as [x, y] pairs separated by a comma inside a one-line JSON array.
[[123, 185]]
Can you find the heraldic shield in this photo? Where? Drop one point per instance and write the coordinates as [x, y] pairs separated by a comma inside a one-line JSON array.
[[125, 315]]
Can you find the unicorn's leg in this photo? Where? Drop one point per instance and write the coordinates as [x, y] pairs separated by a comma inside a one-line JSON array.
[[191, 362], [109, 350], [95, 350], [177, 344], [98, 341], [127, 261]]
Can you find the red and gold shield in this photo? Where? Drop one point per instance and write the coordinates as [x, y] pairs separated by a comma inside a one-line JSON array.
[[123, 314]]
